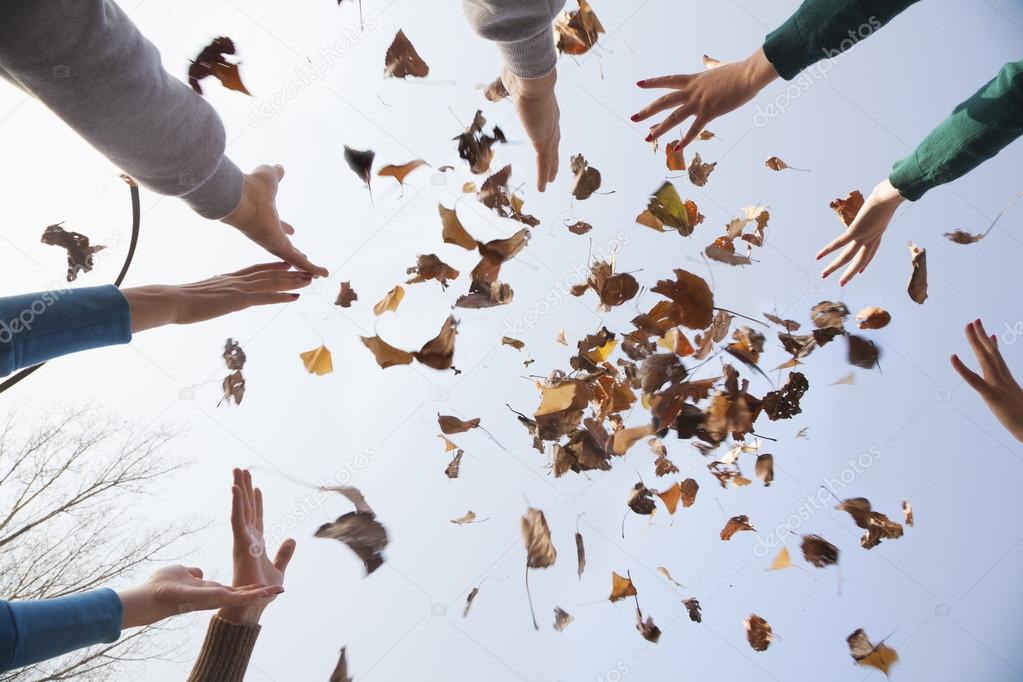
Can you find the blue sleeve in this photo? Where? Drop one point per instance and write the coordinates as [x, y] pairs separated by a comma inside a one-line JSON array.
[[41, 326], [33, 631]]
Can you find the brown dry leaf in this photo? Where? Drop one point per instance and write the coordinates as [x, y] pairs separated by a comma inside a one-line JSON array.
[[641, 500], [360, 529], [624, 439], [429, 266], [453, 231], [386, 355], [691, 295], [540, 551], [735, 525], [758, 632], [848, 208], [468, 601], [765, 469], [671, 497], [211, 62], [907, 512], [318, 361], [586, 178], [361, 163], [918, 280], [647, 628], [782, 560], [818, 551], [776, 164], [450, 425], [578, 30], [580, 554], [862, 352], [449, 445], [879, 656], [390, 301], [495, 92], [402, 59], [346, 295], [675, 160], [876, 525], [873, 317], [689, 489], [438, 351], [784, 403], [667, 574], [621, 587], [234, 356], [613, 289], [453, 466], [79, 251], [340, 673], [963, 237], [399, 173], [234, 387], [580, 227], [468, 517], [790, 325], [476, 147], [562, 619], [514, 343], [694, 609], [699, 171]]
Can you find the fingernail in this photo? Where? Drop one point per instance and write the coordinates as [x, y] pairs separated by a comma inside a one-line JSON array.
[[641, 82], [294, 297], [634, 117], [650, 138]]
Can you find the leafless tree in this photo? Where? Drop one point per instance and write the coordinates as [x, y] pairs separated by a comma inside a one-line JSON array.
[[70, 487]]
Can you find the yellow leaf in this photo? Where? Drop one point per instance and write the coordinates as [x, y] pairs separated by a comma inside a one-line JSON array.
[[469, 188], [386, 355], [390, 302], [783, 560], [621, 587], [624, 439], [453, 231], [318, 361], [561, 338], [400, 172], [448, 445], [670, 498]]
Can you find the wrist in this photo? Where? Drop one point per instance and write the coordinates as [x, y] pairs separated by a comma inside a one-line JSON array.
[[140, 607], [886, 193], [151, 306], [533, 88], [242, 616], [245, 209], [759, 70]]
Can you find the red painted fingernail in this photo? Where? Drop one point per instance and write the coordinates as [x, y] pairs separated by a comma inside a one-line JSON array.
[[294, 296], [641, 82], [634, 117], [649, 138]]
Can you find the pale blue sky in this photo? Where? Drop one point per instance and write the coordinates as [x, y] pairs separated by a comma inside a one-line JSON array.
[[948, 590]]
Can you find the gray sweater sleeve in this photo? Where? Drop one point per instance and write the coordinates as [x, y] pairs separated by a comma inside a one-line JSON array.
[[521, 29], [88, 62]]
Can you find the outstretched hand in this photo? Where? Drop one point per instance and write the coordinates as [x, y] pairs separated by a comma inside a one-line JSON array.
[[251, 563], [538, 111], [256, 217], [176, 590], [863, 236], [997, 387], [705, 96]]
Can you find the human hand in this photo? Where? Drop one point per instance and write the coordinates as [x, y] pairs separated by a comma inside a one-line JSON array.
[[997, 387], [256, 217], [863, 236], [706, 95], [158, 305], [251, 564], [538, 111], [178, 589]]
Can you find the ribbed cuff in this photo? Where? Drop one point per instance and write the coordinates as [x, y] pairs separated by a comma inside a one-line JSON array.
[[219, 194], [909, 177], [784, 48], [225, 652], [531, 58]]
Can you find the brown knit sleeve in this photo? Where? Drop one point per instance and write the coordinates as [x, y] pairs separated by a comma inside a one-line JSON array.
[[225, 652]]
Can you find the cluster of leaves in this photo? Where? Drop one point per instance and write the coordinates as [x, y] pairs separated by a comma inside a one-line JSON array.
[[234, 383]]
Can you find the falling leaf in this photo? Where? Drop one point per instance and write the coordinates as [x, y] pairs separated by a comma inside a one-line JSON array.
[[621, 587], [399, 173], [689, 489], [735, 525], [540, 551], [674, 158], [667, 210], [758, 632], [586, 178], [641, 500], [386, 355], [876, 525], [429, 266], [561, 338], [671, 497], [452, 469], [360, 529], [848, 380], [453, 232], [918, 280], [818, 551], [346, 296], [390, 301], [776, 164], [79, 251], [699, 171], [450, 425], [848, 208], [402, 59], [468, 601], [580, 227], [449, 445], [494, 194], [438, 351], [340, 673], [211, 62], [907, 512], [469, 188], [647, 628], [577, 30], [361, 163], [468, 517], [475, 146], [667, 574], [765, 469], [694, 609], [692, 299], [514, 343], [784, 403], [782, 560], [879, 656], [873, 317], [963, 237], [580, 554], [862, 352], [234, 383], [318, 361], [562, 619]]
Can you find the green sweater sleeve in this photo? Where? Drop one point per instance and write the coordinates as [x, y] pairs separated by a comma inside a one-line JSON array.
[[978, 129], [822, 29]]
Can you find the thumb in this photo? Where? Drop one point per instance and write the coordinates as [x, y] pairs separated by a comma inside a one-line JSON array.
[[284, 554]]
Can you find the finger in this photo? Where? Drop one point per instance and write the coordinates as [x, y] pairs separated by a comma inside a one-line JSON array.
[[542, 170], [674, 118], [555, 160], [837, 243], [698, 125], [998, 365], [277, 281], [841, 259], [259, 510], [855, 267], [969, 376], [980, 350], [284, 554], [246, 501], [260, 268], [279, 169], [871, 252], [237, 512], [662, 103], [300, 261], [286, 226], [675, 81], [270, 298], [984, 337]]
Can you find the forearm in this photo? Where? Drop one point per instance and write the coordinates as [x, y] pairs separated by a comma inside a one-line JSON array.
[[978, 129], [33, 631], [822, 29], [88, 62], [225, 652], [40, 326], [522, 30]]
